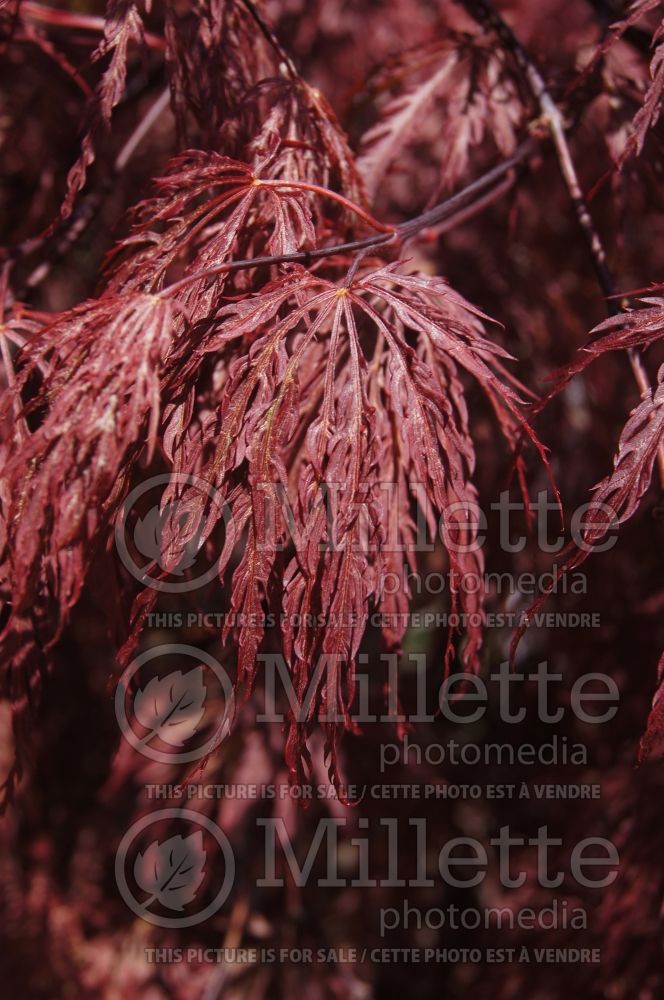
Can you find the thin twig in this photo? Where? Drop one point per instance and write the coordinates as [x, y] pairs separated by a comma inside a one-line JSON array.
[[394, 236], [145, 124], [465, 214], [468, 194], [484, 14]]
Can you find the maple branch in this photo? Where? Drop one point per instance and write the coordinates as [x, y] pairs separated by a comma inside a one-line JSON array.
[[484, 13], [465, 214], [461, 200], [394, 235], [149, 119]]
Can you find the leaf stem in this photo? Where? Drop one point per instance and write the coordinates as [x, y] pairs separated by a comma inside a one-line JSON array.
[[382, 227]]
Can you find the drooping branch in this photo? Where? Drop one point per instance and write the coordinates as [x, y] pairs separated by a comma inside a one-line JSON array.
[[484, 13]]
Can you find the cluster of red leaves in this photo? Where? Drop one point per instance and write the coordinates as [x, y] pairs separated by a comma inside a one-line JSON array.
[[649, 110], [225, 343], [343, 385], [327, 377], [467, 81]]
